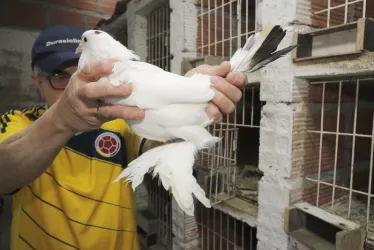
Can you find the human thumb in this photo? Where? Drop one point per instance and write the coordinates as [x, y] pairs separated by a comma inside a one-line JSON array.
[[222, 70]]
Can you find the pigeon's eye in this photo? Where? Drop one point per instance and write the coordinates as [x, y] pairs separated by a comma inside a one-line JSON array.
[[85, 39]]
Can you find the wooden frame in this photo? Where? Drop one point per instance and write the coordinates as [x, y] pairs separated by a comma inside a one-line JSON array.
[[319, 230], [364, 40]]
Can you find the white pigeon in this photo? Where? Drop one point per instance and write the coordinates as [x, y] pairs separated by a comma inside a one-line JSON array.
[[174, 108]]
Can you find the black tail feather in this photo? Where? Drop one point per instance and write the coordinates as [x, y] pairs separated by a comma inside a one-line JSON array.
[[269, 45], [273, 57]]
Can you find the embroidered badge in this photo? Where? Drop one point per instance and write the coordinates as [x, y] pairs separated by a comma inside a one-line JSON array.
[[107, 144]]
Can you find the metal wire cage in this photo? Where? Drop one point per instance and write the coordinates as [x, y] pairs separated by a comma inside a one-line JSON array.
[[339, 148], [230, 169], [158, 48], [329, 13], [220, 231], [159, 203], [158, 37]]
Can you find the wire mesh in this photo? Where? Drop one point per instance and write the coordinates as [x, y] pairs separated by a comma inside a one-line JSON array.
[[231, 167], [223, 27], [158, 37], [220, 231], [160, 204], [328, 13], [158, 46], [339, 149]]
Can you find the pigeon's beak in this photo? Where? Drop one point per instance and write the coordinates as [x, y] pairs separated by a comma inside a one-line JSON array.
[[78, 49]]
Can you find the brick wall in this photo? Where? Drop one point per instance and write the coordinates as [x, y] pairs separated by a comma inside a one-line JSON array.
[[337, 15], [216, 33], [325, 193], [20, 22], [306, 145], [37, 14]]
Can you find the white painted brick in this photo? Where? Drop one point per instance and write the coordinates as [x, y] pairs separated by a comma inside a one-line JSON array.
[[278, 83], [276, 139], [279, 12], [16, 87], [141, 196], [303, 12], [274, 194], [338, 67], [185, 227], [183, 31], [137, 31], [277, 77], [177, 245]]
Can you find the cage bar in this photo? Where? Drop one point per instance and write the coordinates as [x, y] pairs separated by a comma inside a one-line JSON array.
[[158, 43], [158, 37], [339, 172], [330, 13]]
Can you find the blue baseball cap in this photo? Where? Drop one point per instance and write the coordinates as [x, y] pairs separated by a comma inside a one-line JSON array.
[[55, 46]]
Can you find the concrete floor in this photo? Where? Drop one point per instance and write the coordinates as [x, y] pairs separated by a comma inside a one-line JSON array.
[[5, 219]]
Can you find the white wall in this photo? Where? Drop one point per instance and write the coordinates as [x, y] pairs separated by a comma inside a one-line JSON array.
[[16, 87]]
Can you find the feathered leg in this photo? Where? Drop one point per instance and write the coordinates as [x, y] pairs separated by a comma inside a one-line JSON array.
[[173, 163]]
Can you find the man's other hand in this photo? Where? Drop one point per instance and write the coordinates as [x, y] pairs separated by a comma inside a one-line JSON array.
[[79, 108], [227, 87]]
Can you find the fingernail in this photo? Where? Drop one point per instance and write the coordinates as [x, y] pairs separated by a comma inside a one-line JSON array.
[[140, 114]]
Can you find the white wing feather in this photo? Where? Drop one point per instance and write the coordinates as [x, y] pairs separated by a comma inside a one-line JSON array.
[[158, 88]]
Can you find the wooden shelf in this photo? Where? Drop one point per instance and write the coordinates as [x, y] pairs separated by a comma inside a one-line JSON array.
[[319, 230], [359, 35]]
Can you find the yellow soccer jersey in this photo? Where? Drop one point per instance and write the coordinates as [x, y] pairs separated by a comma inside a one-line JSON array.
[[74, 204]]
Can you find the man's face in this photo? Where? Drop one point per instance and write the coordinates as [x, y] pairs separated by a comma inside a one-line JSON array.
[[51, 86]]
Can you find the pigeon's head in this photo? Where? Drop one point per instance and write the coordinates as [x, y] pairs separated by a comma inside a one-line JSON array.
[[92, 39], [103, 45]]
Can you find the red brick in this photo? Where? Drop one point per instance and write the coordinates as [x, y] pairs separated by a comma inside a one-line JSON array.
[[84, 4], [336, 15], [331, 93], [92, 21], [225, 26], [22, 14], [59, 17], [60, 2], [108, 6], [325, 193], [92, 5], [219, 4]]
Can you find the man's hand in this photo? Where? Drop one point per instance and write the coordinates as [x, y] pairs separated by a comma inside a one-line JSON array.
[[79, 108], [227, 87]]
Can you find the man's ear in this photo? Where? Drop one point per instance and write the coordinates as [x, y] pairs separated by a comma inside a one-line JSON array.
[[37, 83]]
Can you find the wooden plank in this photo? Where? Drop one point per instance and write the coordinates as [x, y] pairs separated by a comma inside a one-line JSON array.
[[294, 219], [327, 56], [348, 240], [312, 241], [364, 40], [337, 28], [360, 36], [306, 44], [369, 35], [327, 217], [295, 41]]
